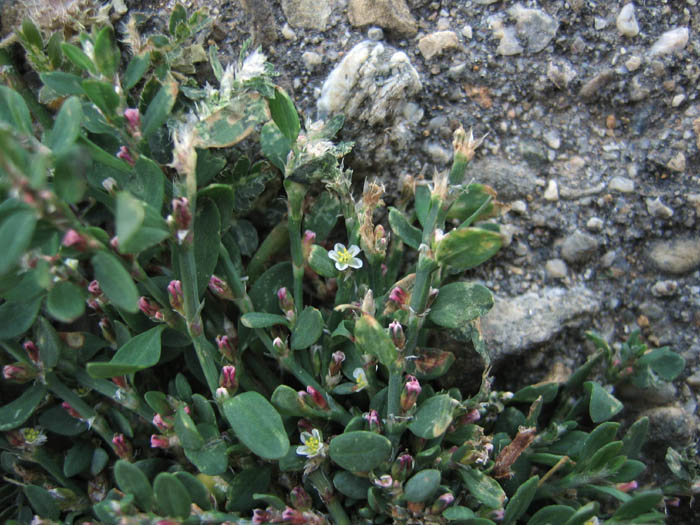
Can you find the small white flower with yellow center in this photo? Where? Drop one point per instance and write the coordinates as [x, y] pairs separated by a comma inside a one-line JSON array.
[[360, 379], [312, 444], [345, 257]]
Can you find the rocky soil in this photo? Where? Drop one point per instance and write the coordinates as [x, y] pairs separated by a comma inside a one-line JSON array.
[[592, 121]]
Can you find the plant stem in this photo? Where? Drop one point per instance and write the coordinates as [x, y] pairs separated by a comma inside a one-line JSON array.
[[393, 398], [275, 241], [295, 201], [325, 491]]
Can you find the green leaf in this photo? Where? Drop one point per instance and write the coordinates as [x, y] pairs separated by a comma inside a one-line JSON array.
[[233, 123], [17, 316], [198, 491], [107, 55], [640, 503], [374, 340], [99, 461], [212, 458], [601, 436], [264, 290], [244, 485], [159, 109], [139, 353], [50, 345], [207, 225], [422, 486], [102, 94], [430, 363], [275, 146], [129, 216], [245, 235], [78, 57], [187, 431], [42, 502], [433, 417], [69, 174], [132, 480], [323, 215], [148, 183], [635, 437], [18, 411], [520, 501], [58, 421], [63, 83], [308, 329], [115, 282], [631, 469], [257, 424], [360, 451], [171, 496], [32, 35], [65, 302], [466, 248], [459, 303], [551, 515], [209, 166], [350, 485], [263, 320], [135, 70], [530, 393], [603, 405], [179, 15], [222, 195], [321, 263], [216, 67], [285, 114], [458, 513], [469, 202], [14, 111], [16, 232], [665, 362], [604, 456], [484, 488], [410, 235], [78, 459]]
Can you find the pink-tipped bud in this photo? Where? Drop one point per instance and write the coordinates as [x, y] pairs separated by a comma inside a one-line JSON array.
[[133, 119], [398, 295], [19, 372], [397, 335], [410, 393], [442, 503], [175, 296], [300, 499], [279, 346], [221, 394], [94, 288], [32, 351], [181, 213], [432, 295], [228, 378], [220, 287], [626, 487], [125, 155], [336, 363], [262, 516], [160, 423], [402, 467], [75, 240], [122, 447], [120, 381], [107, 330], [158, 441], [286, 303], [317, 398], [472, 416], [372, 418], [384, 482], [381, 239], [307, 243], [71, 411], [293, 516], [150, 309], [226, 347]]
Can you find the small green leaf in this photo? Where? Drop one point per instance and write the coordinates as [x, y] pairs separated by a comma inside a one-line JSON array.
[[78, 459], [639, 504], [257, 424], [132, 480], [65, 302], [263, 320], [275, 146], [350, 485], [631, 469], [285, 114], [530, 393], [16, 232], [159, 108], [360, 451], [601, 436], [520, 501], [233, 123], [207, 226], [551, 515], [42, 502], [308, 329], [216, 67], [463, 249], [18, 411], [665, 362], [410, 235], [212, 458], [459, 303], [136, 69], [69, 174], [433, 417], [187, 431], [458, 513], [484, 488], [115, 281], [374, 340], [99, 461], [603, 405], [323, 215], [129, 216], [178, 16], [263, 292], [198, 491], [244, 485], [422, 486], [63, 83], [171, 496], [286, 400], [50, 345], [321, 263], [102, 94], [78, 57], [470, 201], [14, 111], [140, 352], [17, 316], [107, 55], [635, 437], [32, 35]]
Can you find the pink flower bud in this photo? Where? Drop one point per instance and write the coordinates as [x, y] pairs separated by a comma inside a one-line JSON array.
[[402, 467], [372, 418], [220, 287], [397, 335], [160, 423], [150, 309], [228, 378], [106, 330], [295, 517], [73, 239], [19, 372], [279, 346], [120, 381], [73, 412], [336, 362], [286, 303], [133, 118], [262, 516], [32, 351], [410, 393], [94, 288], [398, 295], [158, 441], [626, 487], [181, 213], [122, 447], [175, 295], [125, 155], [385, 481], [300, 498], [442, 503], [307, 243], [226, 347], [317, 398], [472, 416]]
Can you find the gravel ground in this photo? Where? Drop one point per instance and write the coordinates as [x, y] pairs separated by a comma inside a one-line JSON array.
[[592, 127]]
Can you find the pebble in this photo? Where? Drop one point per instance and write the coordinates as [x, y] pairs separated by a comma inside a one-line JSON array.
[[311, 59], [560, 72], [437, 153], [677, 100], [621, 184], [626, 21], [633, 63], [375, 33], [552, 138], [510, 181], [579, 247], [556, 268], [288, 33], [509, 44], [310, 14], [592, 88], [677, 163], [595, 224], [669, 426], [670, 41], [518, 206], [393, 15], [658, 209], [675, 256], [552, 191], [664, 288], [534, 27], [608, 259], [467, 32], [435, 43]]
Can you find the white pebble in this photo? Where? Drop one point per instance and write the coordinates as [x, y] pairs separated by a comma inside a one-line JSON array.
[[594, 224], [626, 21], [552, 191], [670, 41]]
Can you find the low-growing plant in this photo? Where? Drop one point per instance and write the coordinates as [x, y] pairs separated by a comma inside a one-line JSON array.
[[163, 363]]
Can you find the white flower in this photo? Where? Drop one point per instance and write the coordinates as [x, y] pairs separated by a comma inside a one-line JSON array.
[[345, 257], [312, 444], [253, 66], [360, 379]]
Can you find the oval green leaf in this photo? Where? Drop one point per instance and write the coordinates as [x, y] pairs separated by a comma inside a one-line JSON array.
[[262, 320], [115, 281], [360, 451], [459, 303], [140, 352], [65, 302], [18, 411], [463, 249], [433, 417], [171, 496], [308, 329], [422, 486], [257, 424], [132, 480]]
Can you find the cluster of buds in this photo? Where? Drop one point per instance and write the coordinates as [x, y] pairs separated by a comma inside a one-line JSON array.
[[334, 375], [176, 298], [19, 372], [180, 221], [300, 499], [151, 310], [313, 399], [399, 297], [96, 299], [227, 347], [288, 515], [220, 287], [286, 304], [125, 155], [122, 447], [410, 393], [164, 425], [133, 122], [228, 384]]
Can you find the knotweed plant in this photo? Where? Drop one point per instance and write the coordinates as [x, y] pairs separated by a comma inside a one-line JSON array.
[[176, 348]]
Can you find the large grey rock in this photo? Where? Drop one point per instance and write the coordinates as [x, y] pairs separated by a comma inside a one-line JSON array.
[[579, 247], [393, 15], [311, 14], [520, 323], [510, 181], [676, 256], [670, 426]]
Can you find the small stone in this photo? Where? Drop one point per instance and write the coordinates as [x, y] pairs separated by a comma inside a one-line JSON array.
[[556, 269], [608, 259], [592, 88], [375, 33], [694, 380], [508, 44], [288, 33], [633, 63], [677, 100], [393, 15], [560, 73], [437, 153], [664, 288], [669, 426], [658, 209], [677, 163], [552, 191], [626, 21], [435, 43], [310, 14], [595, 224], [621, 184], [676, 256], [519, 207], [467, 32], [311, 59], [579, 247], [552, 138], [534, 27], [599, 23], [510, 181], [670, 41]]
